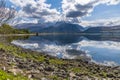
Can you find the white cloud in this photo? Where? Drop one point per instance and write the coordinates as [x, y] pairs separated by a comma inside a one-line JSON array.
[[80, 8], [101, 22], [72, 10], [109, 2], [37, 9]]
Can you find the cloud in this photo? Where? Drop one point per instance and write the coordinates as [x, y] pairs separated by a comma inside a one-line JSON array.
[[80, 8], [72, 10], [37, 9], [75, 8], [109, 2], [29, 9], [75, 14], [101, 22]]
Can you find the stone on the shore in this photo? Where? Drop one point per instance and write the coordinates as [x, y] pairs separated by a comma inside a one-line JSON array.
[[44, 78], [15, 71], [72, 74], [48, 69]]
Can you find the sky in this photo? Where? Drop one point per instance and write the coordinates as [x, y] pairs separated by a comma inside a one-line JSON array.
[[82, 12]]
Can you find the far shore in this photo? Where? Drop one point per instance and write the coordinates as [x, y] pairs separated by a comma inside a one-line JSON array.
[[18, 34], [79, 34]]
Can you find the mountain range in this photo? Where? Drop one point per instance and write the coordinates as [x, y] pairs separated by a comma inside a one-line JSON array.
[[58, 27], [66, 27], [101, 29], [63, 28]]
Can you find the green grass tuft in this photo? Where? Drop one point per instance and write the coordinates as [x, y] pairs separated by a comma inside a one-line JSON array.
[[8, 76], [57, 61], [76, 70]]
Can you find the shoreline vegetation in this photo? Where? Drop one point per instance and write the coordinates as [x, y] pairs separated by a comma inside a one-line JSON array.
[[6, 29], [17, 63]]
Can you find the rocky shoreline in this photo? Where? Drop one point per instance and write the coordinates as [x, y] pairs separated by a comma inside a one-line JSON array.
[[37, 66]]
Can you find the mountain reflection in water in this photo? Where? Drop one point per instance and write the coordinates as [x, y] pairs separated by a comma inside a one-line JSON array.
[[100, 49]]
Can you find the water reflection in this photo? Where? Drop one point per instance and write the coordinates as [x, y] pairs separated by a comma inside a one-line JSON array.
[[93, 48], [11, 38], [58, 39]]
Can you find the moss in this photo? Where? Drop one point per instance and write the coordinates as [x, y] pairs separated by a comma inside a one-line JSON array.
[[104, 74], [39, 58], [34, 56], [57, 61], [54, 77], [19, 53], [76, 70], [7, 76], [66, 79]]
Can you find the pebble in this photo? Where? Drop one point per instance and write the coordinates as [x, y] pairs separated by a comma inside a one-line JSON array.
[[72, 74], [44, 79]]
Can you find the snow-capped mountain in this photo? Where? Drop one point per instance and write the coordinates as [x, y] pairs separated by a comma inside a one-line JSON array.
[[62, 26]]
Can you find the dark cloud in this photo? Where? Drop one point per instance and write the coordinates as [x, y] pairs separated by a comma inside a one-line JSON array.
[[75, 14], [84, 7], [46, 12], [81, 10], [29, 9]]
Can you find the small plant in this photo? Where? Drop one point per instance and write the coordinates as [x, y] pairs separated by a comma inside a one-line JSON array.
[[8, 76], [76, 70], [56, 61], [54, 77]]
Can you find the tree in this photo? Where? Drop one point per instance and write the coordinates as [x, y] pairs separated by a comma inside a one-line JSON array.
[[6, 12]]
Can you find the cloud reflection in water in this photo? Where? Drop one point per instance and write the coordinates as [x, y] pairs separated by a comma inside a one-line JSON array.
[[102, 52]]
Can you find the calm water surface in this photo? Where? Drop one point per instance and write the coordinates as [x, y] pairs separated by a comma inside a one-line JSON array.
[[99, 49]]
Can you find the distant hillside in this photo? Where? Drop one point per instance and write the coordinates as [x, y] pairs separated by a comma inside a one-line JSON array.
[[103, 29], [62, 27], [59, 27], [6, 29], [32, 27], [65, 27]]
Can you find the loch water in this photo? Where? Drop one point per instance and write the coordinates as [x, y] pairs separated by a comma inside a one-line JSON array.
[[99, 49]]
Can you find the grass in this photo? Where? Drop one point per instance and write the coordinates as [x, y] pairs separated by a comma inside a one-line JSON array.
[[11, 49], [57, 61], [104, 74], [76, 70], [8, 76], [19, 53], [53, 77]]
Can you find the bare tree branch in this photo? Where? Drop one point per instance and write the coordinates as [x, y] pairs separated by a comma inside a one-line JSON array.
[[6, 13]]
